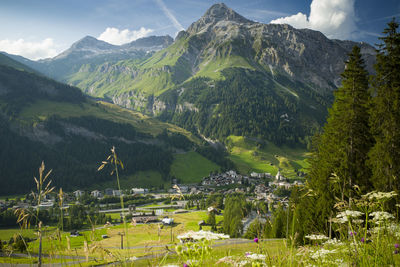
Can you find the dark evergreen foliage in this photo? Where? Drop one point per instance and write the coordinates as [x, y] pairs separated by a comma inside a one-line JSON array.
[[234, 212], [385, 113], [340, 154], [247, 103], [77, 144], [20, 88]]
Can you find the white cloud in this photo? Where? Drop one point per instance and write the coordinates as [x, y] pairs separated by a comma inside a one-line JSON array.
[[171, 17], [31, 50], [334, 18], [119, 37]]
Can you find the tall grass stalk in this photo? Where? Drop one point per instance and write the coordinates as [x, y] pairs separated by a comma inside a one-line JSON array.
[[115, 163], [43, 188]]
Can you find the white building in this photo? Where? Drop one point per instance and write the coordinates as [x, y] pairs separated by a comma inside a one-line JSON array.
[[138, 191], [78, 193], [279, 176], [117, 193], [96, 194]]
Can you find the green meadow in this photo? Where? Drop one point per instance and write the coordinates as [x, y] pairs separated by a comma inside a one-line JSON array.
[[250, 155], [191, 167]]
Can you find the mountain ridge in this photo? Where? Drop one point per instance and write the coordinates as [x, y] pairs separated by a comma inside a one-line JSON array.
[[297, 69]]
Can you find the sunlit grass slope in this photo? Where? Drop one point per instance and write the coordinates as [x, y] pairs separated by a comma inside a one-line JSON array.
[[250, 155], [41, 110], [191, 167]]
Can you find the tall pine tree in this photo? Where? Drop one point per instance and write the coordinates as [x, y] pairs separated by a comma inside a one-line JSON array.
[[341, 149], [385, 113]]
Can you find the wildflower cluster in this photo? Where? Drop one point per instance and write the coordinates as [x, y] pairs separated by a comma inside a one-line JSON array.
[[381, 216], [201, 235], [349, 215], [380, 195], [316, 237]]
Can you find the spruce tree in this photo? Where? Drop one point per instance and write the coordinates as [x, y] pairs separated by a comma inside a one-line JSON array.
[[341, 149], [384, 157]]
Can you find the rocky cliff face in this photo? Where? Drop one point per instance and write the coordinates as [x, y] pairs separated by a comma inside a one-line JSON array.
[[304, 55]]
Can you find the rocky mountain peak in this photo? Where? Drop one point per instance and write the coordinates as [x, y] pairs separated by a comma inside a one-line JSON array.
[[91, 42], [151, 41], [216, 13]]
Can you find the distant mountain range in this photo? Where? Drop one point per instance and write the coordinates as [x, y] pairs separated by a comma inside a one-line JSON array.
[[93, 51], [225, 75]]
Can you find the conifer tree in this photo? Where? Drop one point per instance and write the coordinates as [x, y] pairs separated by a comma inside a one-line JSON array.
[[384, 157], [340, 155]]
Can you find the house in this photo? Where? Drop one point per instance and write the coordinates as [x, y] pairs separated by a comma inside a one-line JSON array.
[[96, 194], [108, 191], [138, 191], [279, 176], [78, 193], [117, 193], [167, 221], [184, 188], [298, 183]]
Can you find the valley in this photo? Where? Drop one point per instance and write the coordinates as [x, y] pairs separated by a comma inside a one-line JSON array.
[[235, 142]]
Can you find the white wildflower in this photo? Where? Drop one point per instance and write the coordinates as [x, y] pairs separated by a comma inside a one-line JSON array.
[[316, 237], [394, 229], [243, 263], [380, 195], [226, 259], [321, 253], [344, 216], [334, 242], [254, 256], [201, 235], [381, 216], [391, 228]]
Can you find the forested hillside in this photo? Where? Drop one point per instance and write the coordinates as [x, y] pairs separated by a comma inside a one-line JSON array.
[[43, 120]]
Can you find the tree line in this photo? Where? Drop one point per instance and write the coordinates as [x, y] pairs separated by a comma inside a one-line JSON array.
[[358, 150]]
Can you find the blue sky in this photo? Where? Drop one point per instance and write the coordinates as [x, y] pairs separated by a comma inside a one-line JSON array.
[[44, 28]]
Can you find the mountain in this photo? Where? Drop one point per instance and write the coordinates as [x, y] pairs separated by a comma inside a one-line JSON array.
[[6, 60], [227, 75], [90, 50], [41, 119]]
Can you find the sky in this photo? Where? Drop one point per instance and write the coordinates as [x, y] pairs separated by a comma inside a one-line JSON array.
[[44, 28]]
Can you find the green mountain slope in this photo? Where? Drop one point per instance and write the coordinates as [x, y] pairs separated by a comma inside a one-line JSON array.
[[7, 61], [41, 119], [226, 75]]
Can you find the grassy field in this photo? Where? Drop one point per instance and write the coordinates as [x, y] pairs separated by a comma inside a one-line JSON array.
[[191, 167], [6, 234], [146, 179], [248, 155]]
